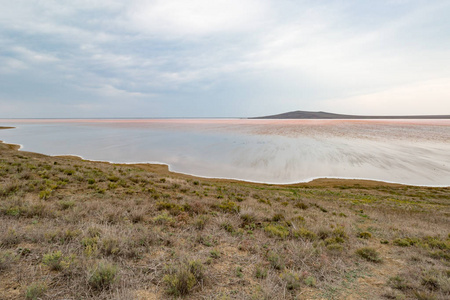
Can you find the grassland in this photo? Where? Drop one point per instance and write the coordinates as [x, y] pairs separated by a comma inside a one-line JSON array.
[[74, 229]]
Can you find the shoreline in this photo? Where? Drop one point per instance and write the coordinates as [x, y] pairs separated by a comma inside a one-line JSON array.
[[165, 169]]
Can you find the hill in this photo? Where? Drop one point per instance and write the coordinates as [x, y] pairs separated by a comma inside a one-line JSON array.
[[326, 115]]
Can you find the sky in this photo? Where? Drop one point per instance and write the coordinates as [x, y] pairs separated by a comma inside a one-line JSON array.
[[222, 58]]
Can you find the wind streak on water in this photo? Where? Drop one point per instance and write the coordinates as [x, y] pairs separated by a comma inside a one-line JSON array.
[[277, 151]]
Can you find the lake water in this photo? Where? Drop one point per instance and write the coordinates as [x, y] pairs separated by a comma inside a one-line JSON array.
[[276, 151]]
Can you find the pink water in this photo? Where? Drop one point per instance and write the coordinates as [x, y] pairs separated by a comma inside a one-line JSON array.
[[279, 151]]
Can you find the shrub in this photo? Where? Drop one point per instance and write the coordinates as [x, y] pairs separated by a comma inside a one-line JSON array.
[[323, 233], [66, 204], [335, 248], [113, 178], [304, 234], [53, 260], [340, 232], [298, 219], [164, 219], [44, 194], [364, 235], [403, 242], [292, 280], [369, 254], [109, 246], [227, 226], [275, 261], [247, 219], [102, 276], [310, 281], [215, 253], [435, 242], [69, 172], [183, 278], [35, 291], [301, 205], [278, 218], [229, 206], [334, 240], [6, 260], [239, 272], [398, 283], [440, 254], [276, 231], [200, 222], [197, 269], [260, 272]]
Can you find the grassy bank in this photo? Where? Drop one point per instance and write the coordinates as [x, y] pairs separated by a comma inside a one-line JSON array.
[[74, 229]]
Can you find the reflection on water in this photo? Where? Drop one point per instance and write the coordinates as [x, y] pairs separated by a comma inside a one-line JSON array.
[[278, 151]]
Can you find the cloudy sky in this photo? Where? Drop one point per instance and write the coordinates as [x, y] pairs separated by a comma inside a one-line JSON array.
[[223, 58]]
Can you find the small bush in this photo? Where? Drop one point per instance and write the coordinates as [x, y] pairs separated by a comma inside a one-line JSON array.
[[6, 260], [340, 233], [276, 231], [440, 254], [398, 283], [53, 260], [66, 204], [304, 233], [35, 291], [301, 205], [292, 280], [401, 242], [369, 254], [109, 246], [310, 281], [405, 242], [45, 194], [278, 218], [248, 220], [183, 278], [260, 272], [215, 254], [435, 242], [229, 207], [334, 240], [103, 276], [335, 248], [364, 235], [228, 227], [275, 261], [164, 219], [69, 172], [200, 222]]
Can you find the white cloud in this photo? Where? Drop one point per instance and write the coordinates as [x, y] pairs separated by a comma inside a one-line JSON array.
[[196, 17], [33, 56], [272, 54], [420, 98]]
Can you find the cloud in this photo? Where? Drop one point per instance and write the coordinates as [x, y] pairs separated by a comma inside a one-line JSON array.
[[191, 57], [419, 98], [196, 17]]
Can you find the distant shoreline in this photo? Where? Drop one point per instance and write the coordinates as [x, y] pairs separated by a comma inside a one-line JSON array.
[[332, 116], [164, 169]]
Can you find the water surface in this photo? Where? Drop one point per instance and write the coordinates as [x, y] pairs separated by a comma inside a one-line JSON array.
[[276, 151]]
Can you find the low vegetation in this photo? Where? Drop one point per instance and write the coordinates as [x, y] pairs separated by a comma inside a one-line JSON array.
[[74, 229]]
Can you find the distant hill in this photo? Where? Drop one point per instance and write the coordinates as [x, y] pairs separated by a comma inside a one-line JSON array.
[[326, 115]]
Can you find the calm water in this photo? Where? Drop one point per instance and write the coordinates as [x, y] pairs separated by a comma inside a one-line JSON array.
[[277, 151]]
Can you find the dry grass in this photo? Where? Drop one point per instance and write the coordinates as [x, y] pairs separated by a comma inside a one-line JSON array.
[[73, 229]]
